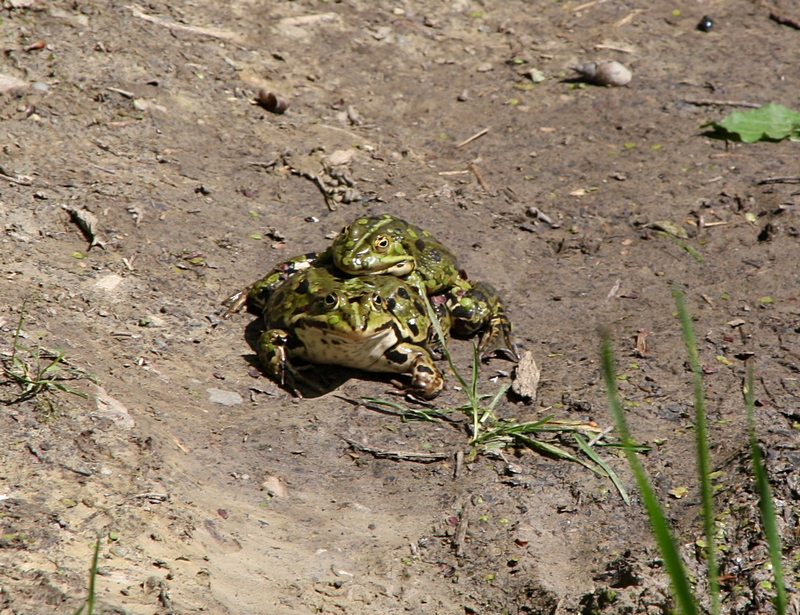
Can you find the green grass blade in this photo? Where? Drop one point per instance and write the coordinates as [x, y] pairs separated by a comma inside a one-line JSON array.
[[89, 604], [406, 414], [591, 454], [765, 502], [19, 329], [703, 455], [666, 543], [551, 450]]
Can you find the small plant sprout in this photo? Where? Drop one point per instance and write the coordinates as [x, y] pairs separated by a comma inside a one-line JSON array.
[[37, 370]]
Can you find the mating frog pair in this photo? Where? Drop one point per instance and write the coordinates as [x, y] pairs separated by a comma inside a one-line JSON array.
[[360, 304]]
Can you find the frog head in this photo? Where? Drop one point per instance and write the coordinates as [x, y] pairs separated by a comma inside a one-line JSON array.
[[372, 246]]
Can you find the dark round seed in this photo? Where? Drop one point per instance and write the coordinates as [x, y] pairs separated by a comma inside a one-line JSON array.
[[705, 24]]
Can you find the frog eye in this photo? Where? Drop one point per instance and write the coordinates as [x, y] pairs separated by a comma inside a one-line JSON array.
[[331, 301], [381, 243], [377, 301]]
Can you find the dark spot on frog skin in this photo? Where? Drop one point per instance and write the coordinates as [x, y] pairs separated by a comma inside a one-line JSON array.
[[390, 303], [419, 244], [412, 325], [293, 342], [425, 369], [302, 288], [403, 293], [435, 256], [419, 307], [394, 356]]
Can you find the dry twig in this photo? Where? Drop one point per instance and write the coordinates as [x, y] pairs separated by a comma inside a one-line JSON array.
[[473, 137], [474, 168], [212, 32], [396, 455], [704, 102]]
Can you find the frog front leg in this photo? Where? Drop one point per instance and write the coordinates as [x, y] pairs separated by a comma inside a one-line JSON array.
[[476, 307], [273, 353], [257, 293]]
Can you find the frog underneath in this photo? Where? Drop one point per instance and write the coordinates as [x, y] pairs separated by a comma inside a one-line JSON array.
[[376, 324]]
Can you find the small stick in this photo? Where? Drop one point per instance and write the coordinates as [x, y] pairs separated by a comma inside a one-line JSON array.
[[97, 166], [397, 455], [784, 21], [473, 137], [780, 180], [452, 172], [459, 464], [124, 93], [588, 5], [22, 180], [212, 32], [613, 48], [599, 436], [722, 223], [461, 529], [722, 103], [627, 19], [474, 168]]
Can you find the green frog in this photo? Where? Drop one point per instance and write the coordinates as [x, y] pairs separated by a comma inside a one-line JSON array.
[[376, 324], [388, 245], [385, 245]]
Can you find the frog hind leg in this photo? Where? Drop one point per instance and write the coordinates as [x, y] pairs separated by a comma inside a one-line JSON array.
[[257, 293], [476, 307]]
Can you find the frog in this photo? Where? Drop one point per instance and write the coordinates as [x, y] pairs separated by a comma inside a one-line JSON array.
[[377, 324], [386, 244]]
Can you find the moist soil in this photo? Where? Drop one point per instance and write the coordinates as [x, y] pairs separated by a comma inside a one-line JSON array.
[[213, 489]]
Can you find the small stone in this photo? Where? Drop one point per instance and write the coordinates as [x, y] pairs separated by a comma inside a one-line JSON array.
[[226, 398], [484, 68], [274, 487], [526, 377], [110, 408], [151, 320], [109, 283]]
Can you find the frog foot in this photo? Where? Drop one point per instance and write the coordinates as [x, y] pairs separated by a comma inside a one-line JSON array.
[[476, 307], [426, 379], [498, 342]]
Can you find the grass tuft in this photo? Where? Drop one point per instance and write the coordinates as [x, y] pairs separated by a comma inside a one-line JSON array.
[[679, 576], [38, 370]]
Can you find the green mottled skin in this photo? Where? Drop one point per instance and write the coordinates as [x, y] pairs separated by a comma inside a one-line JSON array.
[[372, 246], [385, 244], [376, 324]]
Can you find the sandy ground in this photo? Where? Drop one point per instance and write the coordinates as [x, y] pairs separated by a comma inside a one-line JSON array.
[[213, 489]]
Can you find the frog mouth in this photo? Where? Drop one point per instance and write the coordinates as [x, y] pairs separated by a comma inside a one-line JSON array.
[[399, 268]]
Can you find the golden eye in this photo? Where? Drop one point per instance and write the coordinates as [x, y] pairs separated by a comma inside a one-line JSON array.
[[331, 300], [377, 300], [381, 243]]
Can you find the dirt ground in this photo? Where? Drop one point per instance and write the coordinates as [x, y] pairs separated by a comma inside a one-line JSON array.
[[212, 488]]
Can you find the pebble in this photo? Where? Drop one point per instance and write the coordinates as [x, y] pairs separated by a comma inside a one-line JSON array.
[[226, 398]]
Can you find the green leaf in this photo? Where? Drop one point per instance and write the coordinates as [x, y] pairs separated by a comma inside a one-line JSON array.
[[770, 122]]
